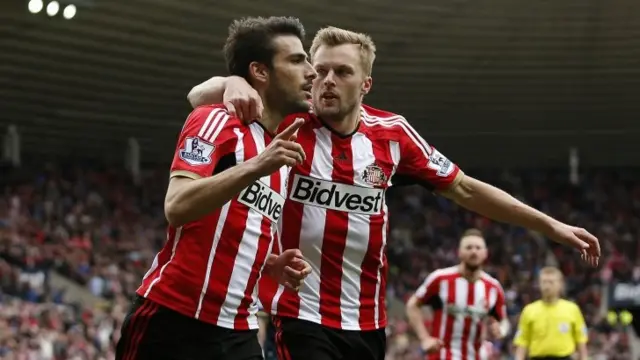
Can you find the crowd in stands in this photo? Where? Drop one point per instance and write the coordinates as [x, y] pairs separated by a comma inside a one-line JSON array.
[[101, 229]]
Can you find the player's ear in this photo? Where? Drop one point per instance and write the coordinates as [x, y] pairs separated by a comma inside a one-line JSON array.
[[366, 85], [259, 72]]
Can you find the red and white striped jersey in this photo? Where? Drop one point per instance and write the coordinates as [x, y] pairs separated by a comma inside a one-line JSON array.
[[209, 268], [336, 215], [460, 309]]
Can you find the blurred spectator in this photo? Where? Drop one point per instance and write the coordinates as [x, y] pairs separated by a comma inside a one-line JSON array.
[[97, 227]]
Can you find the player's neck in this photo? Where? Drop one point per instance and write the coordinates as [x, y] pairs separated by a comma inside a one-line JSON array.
[[469, 274], [346, 125], [550, 300], [271, 120]]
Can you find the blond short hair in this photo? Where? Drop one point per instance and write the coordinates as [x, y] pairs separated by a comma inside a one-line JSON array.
[[333, 36], [472, 232]]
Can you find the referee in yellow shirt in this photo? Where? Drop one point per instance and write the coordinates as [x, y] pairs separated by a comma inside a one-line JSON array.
[[551, 328]]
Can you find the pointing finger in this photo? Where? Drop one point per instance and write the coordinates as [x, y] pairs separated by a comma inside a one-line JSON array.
[[287, 133]]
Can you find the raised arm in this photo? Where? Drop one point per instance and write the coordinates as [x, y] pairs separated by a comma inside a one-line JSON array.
[[240, 99]]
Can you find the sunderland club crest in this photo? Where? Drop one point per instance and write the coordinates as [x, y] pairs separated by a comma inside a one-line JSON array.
[[374, 175]]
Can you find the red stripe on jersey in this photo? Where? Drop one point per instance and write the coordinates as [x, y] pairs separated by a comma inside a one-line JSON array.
[[289, 302]]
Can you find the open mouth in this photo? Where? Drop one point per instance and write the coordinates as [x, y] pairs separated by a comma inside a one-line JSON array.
[[328, 96]]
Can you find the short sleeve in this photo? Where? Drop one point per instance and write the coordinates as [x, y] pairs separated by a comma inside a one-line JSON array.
[[429, 288], [499, 310], [205, 138], [523, 334], [423, 163], [580, 331]]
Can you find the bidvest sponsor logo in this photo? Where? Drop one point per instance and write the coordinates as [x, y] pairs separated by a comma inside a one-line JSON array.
[[476, 312], [336, 196], [262, 199]]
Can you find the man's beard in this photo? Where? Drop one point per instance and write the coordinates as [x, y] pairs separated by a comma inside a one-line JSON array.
[[335, 114], [280, 100], [472, 267]]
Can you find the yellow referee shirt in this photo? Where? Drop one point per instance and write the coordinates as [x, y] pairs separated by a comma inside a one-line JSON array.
[[551, 329]]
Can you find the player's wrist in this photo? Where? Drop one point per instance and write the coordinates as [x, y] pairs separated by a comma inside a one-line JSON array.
[[255, 168]]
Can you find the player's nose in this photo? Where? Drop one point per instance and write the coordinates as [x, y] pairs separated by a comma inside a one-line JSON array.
[[329, 79]]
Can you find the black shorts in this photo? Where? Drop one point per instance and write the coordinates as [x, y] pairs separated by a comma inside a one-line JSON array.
[[304, 340], [153, 332]]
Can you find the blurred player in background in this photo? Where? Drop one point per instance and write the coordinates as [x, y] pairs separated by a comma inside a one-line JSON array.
[[225, 196], [463, 298], [551, 328], [336, 213]]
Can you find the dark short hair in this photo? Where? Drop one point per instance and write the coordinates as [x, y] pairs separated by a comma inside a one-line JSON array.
[[251, 39]]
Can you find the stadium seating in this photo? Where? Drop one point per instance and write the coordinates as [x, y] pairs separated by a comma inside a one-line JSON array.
[[101, 230]]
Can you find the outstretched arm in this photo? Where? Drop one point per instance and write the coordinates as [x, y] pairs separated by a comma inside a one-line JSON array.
[[496, 204], [425, 164]]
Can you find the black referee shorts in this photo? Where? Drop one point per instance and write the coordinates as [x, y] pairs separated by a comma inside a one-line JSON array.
[[305, 340], [153, 332]]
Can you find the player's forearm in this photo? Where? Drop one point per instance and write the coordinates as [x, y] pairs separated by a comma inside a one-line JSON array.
[[416, 319], [521, 353], [496, 204], [583, 354], [200, 197], [208, 92]]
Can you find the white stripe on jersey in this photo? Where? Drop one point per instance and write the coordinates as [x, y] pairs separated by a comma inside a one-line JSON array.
[[218, 124], [205, 126]]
